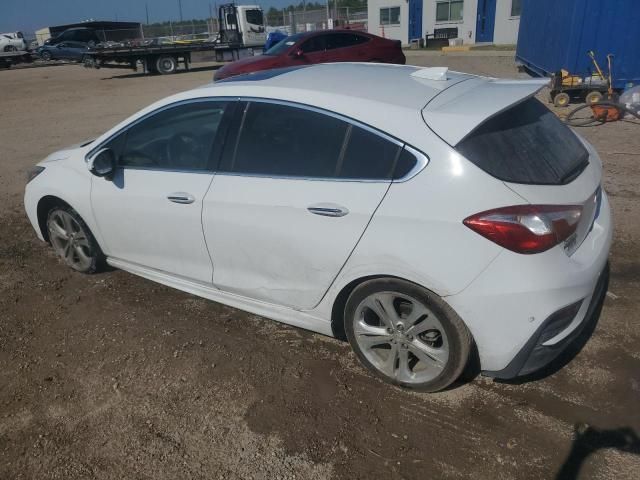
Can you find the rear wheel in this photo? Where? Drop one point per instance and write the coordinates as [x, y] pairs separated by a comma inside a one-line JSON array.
[[593, 97], [406, 335], [46, 56], [10, 48], [166, 64], [72, 240]]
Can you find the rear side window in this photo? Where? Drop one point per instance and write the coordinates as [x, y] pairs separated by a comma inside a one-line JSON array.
[[314, 44], [341, 40], [283, 140], [287, 141], [526, 144]]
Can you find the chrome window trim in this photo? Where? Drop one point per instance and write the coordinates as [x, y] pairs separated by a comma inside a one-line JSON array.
[[422, 159]]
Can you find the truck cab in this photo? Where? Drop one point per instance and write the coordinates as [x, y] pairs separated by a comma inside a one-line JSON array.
[[242, 25]]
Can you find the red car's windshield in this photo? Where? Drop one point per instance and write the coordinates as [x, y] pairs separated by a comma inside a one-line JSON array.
[[284, 44]]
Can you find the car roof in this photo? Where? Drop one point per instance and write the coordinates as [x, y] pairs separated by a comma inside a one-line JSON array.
[[380, 83]]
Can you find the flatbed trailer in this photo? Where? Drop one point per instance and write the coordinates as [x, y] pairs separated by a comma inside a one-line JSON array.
[[163, 59], [11, 58]]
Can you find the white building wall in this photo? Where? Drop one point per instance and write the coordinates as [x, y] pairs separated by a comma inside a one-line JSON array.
[[505, 31], [394, 32]]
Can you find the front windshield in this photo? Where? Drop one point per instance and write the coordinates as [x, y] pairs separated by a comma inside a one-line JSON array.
[[284, 45]]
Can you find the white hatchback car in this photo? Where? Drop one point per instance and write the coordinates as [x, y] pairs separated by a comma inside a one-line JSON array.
[[418, 212]]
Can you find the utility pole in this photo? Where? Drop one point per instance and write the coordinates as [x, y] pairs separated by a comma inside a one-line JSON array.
[[180, 7], [146, 8]]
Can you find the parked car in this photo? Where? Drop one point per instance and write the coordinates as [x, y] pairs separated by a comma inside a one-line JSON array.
[[63, 51], [319, 47], [423, 214], [12, 42], [78, 34]]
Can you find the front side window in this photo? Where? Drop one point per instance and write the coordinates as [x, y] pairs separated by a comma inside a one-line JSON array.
[[314, 44], [449, 10], [516, 8], [390, 16], [254, 17], [180, 137]]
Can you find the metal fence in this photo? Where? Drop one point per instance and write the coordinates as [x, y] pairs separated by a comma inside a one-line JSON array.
[[292, 22]]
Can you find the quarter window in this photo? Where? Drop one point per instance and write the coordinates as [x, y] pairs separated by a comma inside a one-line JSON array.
[[449, 10], [390, 16], [368, 156], [180, 137]]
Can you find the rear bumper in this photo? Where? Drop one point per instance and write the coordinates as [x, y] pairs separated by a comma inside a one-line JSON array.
[[537, 354]]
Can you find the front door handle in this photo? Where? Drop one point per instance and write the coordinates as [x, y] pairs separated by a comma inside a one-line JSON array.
[[181, 197], [328, 210]]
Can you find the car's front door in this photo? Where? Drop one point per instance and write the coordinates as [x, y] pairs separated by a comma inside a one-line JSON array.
[[291, 199], [149, 213]]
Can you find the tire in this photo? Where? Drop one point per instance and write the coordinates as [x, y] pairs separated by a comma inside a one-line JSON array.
[[10, 48], [73, 241], [593, 97], [406, 335], [46, 56], [562, 99], [166, 64]]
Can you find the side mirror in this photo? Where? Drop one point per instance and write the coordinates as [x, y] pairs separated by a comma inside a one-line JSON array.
[[60, 45], [102, 163], [298, 53]]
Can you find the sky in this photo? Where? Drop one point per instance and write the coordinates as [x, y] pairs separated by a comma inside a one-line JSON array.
[[30, 15]]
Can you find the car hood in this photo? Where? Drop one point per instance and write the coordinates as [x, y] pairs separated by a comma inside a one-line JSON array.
[[66, 152]]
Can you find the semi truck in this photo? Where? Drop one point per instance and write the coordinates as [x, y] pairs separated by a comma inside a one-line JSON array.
[[241, 33]]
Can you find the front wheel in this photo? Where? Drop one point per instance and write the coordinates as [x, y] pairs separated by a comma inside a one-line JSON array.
[[72, 240], [406, 335], [46, 56]]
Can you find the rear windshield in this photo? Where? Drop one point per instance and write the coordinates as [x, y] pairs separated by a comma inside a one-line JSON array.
[[526, 144]]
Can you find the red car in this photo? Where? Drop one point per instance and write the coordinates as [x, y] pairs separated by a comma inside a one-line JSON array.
[[319, 47]]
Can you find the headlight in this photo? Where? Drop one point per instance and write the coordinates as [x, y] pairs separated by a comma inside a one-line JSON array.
[[34, 172]]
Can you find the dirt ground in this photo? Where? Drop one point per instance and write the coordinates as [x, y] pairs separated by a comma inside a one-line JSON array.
[[111, 376]]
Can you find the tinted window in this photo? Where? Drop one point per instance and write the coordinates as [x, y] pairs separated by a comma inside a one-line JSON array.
[[314, 44], [289, 141], [284, 45], [368, 156], [341, 40], [406, 161], [526, 144], [254, 17], [178, 138]]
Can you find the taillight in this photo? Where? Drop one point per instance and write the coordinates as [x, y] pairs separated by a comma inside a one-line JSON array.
[[527, 228]]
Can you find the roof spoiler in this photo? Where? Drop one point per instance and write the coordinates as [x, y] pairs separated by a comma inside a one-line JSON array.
[[458, 110]]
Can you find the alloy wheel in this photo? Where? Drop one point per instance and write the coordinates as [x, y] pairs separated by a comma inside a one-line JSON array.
[[69, 240], [401, 337]]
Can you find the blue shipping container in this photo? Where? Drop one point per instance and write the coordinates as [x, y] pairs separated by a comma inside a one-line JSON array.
[[557, 34]]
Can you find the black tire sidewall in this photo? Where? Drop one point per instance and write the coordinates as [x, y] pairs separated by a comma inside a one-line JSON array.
[[457, 334], [97, 257]]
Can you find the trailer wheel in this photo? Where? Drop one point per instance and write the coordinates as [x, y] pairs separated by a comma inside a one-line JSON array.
[[561, 100], [166, 64], [593, 97]]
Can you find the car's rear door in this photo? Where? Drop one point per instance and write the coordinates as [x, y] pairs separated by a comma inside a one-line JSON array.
[[291, 199], [150, 212], [313, 50]]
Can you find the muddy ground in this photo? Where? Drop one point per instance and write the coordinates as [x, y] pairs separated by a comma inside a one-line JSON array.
[[112, 376]]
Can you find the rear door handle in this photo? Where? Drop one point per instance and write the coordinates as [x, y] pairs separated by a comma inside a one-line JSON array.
[[328, 210], [181, 197]]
